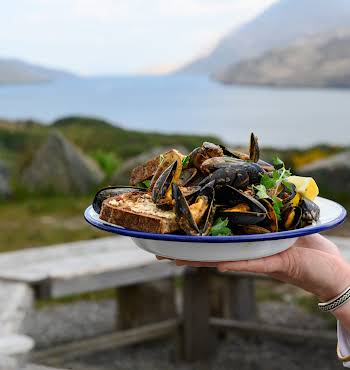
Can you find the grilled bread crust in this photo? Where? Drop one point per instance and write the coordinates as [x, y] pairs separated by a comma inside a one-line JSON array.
[[137, 211], [146, 170]]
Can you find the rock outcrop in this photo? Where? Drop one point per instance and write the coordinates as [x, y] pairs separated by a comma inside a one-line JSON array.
[[332, 174], [59, 166]]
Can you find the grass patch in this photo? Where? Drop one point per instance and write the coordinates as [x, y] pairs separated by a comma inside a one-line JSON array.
[[90, 296], [40, 220]]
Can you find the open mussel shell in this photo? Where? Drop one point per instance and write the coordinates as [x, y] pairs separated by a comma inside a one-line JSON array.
[[253, 213], [190, 191], [287, 195], [310, 211], [254, 151], [109, 192], [291, 218], [163, 183], [187, 175], [253, 229], [271, 220], [195, 218], [183, 214]]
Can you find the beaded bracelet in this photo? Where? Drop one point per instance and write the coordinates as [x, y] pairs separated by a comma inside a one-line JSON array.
[[336, 302]]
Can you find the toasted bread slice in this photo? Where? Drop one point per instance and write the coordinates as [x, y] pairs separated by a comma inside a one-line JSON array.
[[146, 170], [137, 211]]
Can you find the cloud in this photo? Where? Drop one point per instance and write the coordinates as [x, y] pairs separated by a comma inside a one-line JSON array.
[[118, 36]]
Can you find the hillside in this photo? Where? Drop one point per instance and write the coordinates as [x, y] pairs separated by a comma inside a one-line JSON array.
[[17, 71], [277, 26], [317, 61], [97, 138]]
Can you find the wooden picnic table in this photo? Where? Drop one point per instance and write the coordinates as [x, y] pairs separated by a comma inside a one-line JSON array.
[[72, 268]]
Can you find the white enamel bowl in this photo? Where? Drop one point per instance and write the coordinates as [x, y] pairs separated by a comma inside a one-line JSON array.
[[222, 248]]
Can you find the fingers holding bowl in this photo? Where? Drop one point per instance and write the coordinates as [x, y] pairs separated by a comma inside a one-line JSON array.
[[188, 263]]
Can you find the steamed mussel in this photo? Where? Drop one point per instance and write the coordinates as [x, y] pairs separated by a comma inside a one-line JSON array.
[[111, 191], [213, 185]]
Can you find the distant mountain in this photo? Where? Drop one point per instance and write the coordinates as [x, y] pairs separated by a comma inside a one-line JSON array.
[[317, 61], [17, 71], [277, 26]]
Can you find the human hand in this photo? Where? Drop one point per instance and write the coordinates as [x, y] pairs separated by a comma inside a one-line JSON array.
[[313, 263]]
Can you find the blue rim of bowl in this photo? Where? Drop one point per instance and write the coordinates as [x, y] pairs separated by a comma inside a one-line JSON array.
[[218, 239]]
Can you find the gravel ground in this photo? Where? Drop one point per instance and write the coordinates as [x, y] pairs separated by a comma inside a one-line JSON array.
[[234, 353], [52, 325], [64, 323]]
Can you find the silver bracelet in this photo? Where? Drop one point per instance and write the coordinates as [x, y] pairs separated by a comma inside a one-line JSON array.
[[336, 302]]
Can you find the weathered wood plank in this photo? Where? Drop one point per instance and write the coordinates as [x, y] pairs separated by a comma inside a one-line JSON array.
[[117, 339], [240, 302], [196, 335], [146, 303], [287, 334], [16, 300], [74, 259], [56, 288]]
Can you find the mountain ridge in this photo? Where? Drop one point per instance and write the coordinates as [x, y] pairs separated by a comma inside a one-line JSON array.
[[280, 24], [14, 70], [322, 60]]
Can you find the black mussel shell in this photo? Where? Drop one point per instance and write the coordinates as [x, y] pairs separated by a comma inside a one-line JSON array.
[[109, 192]]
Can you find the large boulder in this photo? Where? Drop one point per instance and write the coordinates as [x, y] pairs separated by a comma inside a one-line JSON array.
[[332, 174], [122, 175], [59, 166]]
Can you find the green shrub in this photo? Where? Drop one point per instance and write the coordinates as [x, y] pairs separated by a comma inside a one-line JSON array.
[[108, 161]]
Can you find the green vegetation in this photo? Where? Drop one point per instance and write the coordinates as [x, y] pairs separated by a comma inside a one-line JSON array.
[[43, 220], [99, 295], [28, 220]]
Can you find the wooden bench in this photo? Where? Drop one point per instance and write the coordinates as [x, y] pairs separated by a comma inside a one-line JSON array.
[[113, 262], [84, 266]]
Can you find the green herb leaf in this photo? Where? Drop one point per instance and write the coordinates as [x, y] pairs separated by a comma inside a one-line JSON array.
[[276, 175], [185, 161], [261, 191], [267, 181], [287, 184], [220, 228], [277, 162], [144, 184], [277, 206]]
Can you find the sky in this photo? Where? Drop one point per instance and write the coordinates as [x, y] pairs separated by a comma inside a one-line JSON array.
[[105, 37]]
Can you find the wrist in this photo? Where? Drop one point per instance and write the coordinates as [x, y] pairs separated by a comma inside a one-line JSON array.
[[343, 313], [336, 285]]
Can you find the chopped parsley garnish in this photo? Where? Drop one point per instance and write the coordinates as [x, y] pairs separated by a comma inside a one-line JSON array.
[[220, 227], [144, 184], [269, 185], [185, 161]]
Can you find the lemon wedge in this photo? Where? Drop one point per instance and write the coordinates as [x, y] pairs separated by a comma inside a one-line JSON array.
[[305, 186]]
